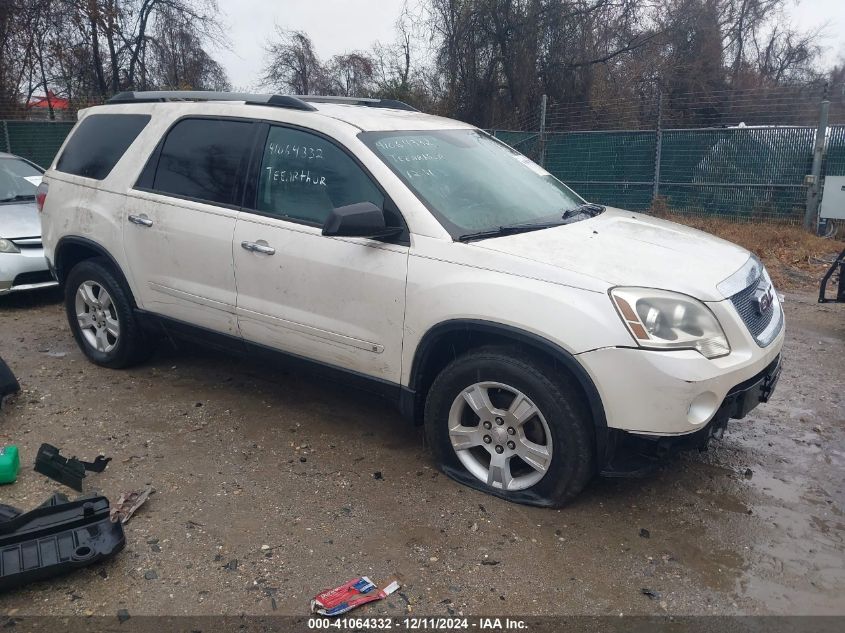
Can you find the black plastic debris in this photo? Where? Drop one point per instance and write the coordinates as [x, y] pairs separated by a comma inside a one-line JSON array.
[[55, 538], [8, 382], [8, 513], [69, 472], [651, 593]]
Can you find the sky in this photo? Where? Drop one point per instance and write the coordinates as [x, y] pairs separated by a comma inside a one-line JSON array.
[[336, 26]]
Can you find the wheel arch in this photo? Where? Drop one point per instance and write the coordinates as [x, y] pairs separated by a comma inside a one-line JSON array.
[[445, 341], [72, 249]]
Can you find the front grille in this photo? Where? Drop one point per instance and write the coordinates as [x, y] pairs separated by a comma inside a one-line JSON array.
[[38, 277], [758, 324]]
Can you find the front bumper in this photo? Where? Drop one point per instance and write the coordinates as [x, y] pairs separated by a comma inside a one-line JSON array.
[[676, 392], [633, 455], [26, 270]]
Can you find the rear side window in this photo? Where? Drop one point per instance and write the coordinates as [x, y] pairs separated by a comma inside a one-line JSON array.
[[202, 159], [98, 142]]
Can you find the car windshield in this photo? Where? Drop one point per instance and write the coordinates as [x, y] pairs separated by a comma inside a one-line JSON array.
[[473, 183], [18, 180]]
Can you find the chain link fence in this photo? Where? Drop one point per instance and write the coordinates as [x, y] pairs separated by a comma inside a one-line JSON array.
[[38, 141], [744, 156], [37, 130]]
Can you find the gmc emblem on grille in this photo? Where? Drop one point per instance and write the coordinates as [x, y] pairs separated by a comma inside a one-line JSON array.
[[763, 299]]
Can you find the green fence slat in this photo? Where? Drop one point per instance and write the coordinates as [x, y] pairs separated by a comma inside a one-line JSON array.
[[38, 141], [740, 173], [835, 160]]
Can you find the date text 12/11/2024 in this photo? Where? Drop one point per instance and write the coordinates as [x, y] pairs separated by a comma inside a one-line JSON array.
[[418, 624]]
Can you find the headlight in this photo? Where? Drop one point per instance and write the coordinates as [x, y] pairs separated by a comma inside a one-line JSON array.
[[658, 319], [8, 247]]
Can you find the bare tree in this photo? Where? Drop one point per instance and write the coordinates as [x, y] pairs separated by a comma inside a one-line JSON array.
[[176, 59], [762, 47], [401, 69], [81, 48], [498, 56], [350, 74], [480, 60], [291, 64]]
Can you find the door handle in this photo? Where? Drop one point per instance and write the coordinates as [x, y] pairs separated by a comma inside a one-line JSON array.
[[141, 220], [254, 247]]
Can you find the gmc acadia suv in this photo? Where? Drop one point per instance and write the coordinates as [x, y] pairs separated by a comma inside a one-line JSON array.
[[539, 338]]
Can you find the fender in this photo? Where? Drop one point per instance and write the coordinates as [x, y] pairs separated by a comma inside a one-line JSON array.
[[429, 342], [68, 240]]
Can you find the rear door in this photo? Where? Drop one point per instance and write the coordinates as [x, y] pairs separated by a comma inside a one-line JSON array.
[[180, 218], [339, 301]]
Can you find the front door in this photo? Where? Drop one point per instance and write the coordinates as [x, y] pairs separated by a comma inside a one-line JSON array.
[[179, 220], [339, 301]]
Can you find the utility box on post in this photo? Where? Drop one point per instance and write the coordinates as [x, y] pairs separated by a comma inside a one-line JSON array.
[[833, 198]]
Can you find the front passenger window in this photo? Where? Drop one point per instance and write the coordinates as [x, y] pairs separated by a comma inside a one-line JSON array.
[[304, 176]]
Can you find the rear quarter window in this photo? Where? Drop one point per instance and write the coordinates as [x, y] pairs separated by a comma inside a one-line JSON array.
[[99, 142]]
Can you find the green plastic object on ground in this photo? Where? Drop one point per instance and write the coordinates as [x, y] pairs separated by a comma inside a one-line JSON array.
[[10, 464]]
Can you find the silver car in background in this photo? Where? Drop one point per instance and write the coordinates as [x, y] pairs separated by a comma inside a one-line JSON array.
[[22, 263]]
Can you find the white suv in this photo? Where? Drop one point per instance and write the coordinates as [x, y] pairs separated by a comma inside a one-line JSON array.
[[539, 338]]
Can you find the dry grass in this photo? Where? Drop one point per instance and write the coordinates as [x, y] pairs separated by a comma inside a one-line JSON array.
[[795, 258]]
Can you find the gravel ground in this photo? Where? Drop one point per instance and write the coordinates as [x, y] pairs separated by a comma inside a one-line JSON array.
[[271, 487]]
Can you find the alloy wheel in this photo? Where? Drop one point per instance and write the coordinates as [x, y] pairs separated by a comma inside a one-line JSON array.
[[500, 436], [97, 316]]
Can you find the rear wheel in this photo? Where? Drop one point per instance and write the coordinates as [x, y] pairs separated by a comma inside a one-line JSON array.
[[503, 422], [101, 317]]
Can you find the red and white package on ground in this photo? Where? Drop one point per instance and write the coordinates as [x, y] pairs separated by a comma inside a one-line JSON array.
[[350, 595]]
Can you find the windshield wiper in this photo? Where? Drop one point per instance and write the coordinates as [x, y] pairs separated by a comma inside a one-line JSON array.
[[18, 198], [588, 208], [508, 229]]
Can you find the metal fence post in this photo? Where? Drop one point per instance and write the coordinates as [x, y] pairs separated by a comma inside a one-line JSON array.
[[658, 147], [542, 139], [811, 215], [6, 137]]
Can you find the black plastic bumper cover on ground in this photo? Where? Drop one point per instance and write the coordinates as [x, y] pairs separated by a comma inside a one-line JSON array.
[[55, 538]]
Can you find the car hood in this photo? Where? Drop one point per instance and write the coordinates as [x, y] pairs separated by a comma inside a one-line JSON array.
[[623, 248], [19, 219]]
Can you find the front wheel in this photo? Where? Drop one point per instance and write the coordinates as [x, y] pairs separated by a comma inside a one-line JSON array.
[[504, 422], [101, 317]]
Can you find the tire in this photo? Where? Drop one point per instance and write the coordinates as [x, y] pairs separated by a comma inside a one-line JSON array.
[[113, 338], [555, 435]]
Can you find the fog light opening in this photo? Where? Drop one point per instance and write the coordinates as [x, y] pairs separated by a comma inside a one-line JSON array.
[[703, 408]]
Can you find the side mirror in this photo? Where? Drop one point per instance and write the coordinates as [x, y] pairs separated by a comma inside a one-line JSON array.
[[363, 219]]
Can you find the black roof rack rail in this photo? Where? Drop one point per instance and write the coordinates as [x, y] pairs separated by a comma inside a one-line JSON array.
[[295, 102], [155, 96], [359, 101]]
